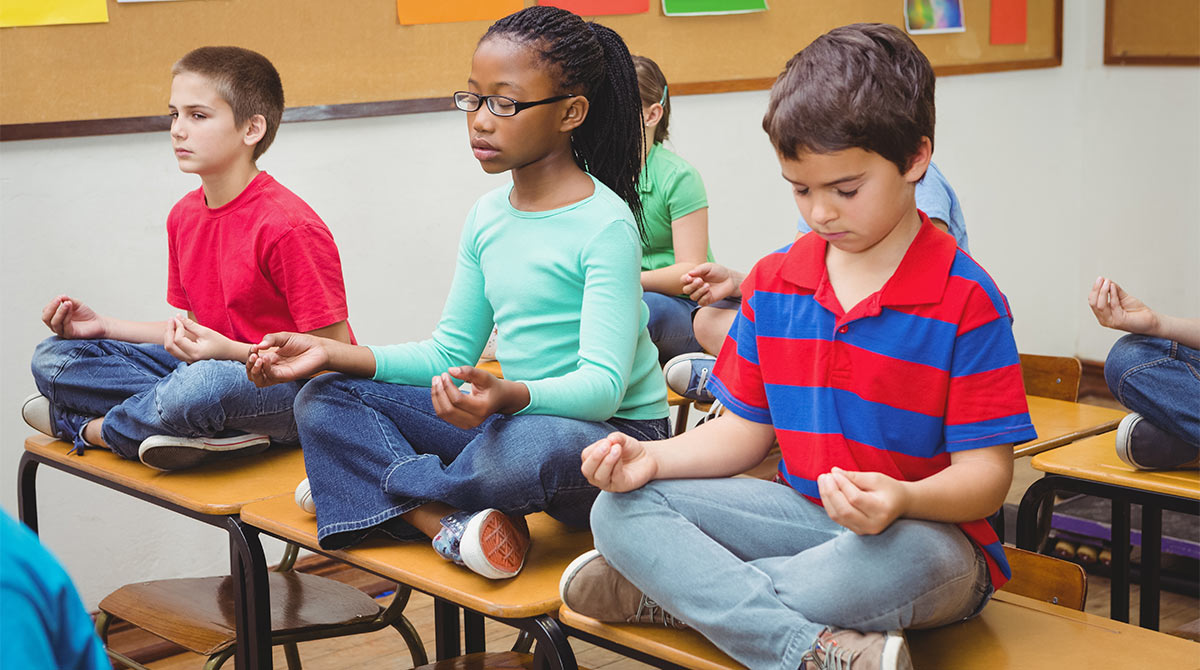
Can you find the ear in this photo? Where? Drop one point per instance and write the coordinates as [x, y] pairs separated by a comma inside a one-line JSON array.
[[256, 127], [652, 115], [574, 114], [919, 161]]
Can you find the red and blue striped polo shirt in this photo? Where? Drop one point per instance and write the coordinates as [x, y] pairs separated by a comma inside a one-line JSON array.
[[924, 367]]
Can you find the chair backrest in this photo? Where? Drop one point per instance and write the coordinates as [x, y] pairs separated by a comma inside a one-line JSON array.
[[1051, 376], [1046, 578]]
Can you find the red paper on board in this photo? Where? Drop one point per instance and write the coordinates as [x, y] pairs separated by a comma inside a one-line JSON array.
[[1008, 22], [600, 7]]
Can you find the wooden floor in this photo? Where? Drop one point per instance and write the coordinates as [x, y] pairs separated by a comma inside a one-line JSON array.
[[384, 649]]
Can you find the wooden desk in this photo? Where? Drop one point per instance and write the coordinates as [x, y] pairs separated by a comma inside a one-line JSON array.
[[1091, 467], [213, 494], [1060, 422], [1012, 633], [527, 601]]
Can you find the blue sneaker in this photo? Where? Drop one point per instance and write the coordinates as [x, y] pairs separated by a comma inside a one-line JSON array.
[[687, 375], [43, 417], [488, 543]]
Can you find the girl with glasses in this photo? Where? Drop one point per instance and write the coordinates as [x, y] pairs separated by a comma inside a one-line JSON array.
[[552, 259]]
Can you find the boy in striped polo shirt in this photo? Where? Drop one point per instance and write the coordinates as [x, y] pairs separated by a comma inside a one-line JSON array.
[[880, 357]]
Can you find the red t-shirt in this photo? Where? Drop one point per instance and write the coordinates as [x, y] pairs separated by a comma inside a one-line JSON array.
[[262, 263]]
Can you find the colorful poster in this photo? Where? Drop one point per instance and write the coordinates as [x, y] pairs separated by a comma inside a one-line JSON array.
[[600, 7], [702, 7], [412, 12], [15, 13], [923, 17], [1007, 23]]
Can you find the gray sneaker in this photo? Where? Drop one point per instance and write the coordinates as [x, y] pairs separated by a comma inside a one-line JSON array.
[[844, 649], [1145, 446], [591, 587], [168, 452]]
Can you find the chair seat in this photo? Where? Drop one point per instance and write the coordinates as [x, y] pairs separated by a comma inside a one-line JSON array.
[[504, 660], [198, 613]]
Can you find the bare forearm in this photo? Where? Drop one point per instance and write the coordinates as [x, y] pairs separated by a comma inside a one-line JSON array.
[[350, 359], [666, 280], [723, 447], [967, 490], [1176, 329], [140, 332]]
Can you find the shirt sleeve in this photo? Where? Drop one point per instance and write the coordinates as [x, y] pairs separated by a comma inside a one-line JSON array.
[[461, 333], [736, 378], [686, 193], [304, 265], [612, 302], [176, 296], [985, 403]]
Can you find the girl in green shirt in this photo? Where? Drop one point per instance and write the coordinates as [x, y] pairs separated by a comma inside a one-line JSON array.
[[392, 443]]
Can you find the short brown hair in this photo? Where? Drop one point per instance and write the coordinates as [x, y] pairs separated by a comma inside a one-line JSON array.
[[243, 78], [863, 86], [652, 88]]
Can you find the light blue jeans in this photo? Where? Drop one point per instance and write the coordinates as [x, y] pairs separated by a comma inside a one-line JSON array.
[[1160, 380], [761, 571], [670, 325], [141, 390], [374, 451]]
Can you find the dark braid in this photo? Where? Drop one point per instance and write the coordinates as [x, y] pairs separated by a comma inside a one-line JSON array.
[[592, 60]]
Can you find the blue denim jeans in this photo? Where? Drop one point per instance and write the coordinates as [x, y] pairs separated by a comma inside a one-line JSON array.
[[761, 571], [670, 325], [1160, 380], [375, 450], [141, 390]]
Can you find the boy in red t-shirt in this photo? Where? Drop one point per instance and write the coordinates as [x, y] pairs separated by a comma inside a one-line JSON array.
[[247, 258], [880, 357]]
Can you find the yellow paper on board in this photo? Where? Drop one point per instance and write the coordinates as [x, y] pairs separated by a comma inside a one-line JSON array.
[[412, 12], [14, 13]]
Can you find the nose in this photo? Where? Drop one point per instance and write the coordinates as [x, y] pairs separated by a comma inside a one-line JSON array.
[[481, 119], [822, 212], [177, 131]]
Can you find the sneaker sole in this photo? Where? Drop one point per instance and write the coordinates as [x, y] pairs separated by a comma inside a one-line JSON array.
[[1125, 437], [895, 654], [573, 569], [484, 542], [167, 453]]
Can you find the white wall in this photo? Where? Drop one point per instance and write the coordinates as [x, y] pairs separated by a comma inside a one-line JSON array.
[[1063, 173]]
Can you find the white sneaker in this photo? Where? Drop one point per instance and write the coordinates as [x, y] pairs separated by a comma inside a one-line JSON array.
[[304, 498], [169, 452], [36, 411]]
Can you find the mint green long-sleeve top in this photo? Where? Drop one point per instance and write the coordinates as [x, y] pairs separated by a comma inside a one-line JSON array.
[[563, 288]]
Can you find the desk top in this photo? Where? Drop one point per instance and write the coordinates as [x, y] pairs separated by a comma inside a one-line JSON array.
[[1014, 632], [1095, 459], [218, 489], [532, 593], [1060, 422]]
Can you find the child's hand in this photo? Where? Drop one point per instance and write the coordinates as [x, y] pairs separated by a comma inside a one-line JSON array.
[[1114, 308], [488, 395], [618, 463], [864, 502], [73, 320], [709, 282], [190, 342], [285, 357]]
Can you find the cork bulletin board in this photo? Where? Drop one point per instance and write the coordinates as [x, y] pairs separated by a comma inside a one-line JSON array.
[[1152, 32], [351, 58]]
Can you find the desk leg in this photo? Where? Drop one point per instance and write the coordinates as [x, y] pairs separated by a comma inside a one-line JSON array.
[[473, 637], [252, 596], [1027, 513], [1151, 564], [446, 631], [553, 650], [1118, 608], [27, 491]]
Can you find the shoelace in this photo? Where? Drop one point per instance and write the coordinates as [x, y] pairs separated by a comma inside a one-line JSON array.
[[649, 611], [832, 656], [700, 383]]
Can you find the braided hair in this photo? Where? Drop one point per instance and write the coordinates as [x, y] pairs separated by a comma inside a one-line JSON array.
[[593, 61]]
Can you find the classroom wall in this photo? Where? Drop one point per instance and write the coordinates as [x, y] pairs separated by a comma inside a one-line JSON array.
[[1063, 173]]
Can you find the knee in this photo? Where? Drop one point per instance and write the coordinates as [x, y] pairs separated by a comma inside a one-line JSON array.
[[611, 511], [50, 355], [200, 389], [1128, 353], [317, 392], [711, 325]]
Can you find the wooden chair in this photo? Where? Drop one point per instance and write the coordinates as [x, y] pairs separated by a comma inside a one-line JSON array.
[[1046, 578], [197, 614], [1051, 376]]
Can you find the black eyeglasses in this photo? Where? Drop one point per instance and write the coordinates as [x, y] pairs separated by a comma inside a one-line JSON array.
[[500, 105]]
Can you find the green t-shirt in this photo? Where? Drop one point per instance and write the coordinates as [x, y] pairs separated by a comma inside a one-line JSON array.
[[563, 289], [671, 189]]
